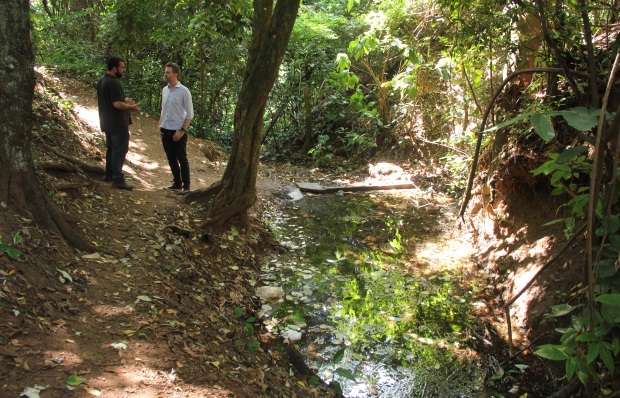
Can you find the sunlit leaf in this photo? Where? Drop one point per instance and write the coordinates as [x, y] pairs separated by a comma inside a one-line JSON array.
[[74, 380], [553, 352], [65, 275]]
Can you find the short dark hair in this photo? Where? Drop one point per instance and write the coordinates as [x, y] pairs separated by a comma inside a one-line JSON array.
[[175, 68], [113, 62]]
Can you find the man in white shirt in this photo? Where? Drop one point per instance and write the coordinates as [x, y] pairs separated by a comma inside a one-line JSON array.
[[177, 112]]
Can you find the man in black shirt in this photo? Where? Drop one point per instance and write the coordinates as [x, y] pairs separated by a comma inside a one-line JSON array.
[[114, 119]]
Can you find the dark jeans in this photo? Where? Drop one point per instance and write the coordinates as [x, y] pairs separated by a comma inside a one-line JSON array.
[[117, 146], [176, 152]]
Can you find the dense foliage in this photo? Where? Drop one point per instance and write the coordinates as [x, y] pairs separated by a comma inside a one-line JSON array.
[[409, 78]]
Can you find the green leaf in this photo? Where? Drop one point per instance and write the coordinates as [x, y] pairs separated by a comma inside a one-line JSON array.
[[571, 153], [542, 126], [611, 313], [350, 4], [313, 380], [509, 122], [615, 344], [593, 351], [583, 377], [571, 366], [553, 352], [607, 268], [614, 224], [17, 239], [253, 345], [339, 355], [615, 241], [239, 343], [238, 312], [607, 359], [545, 168], [587, 336], [560, 310], [74, 380], [611, 299], [337, 388], [581, 118], [345, 373], [65, 275]]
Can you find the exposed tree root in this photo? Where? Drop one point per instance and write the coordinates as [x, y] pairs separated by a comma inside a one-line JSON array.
[[93, 168], [57, 166]]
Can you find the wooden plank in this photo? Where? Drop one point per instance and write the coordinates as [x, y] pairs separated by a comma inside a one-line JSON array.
[[317, 188], [312, 187]]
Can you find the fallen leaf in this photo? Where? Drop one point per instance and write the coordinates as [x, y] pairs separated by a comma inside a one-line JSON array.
[[74, 380], [93, 391], [94, 256]]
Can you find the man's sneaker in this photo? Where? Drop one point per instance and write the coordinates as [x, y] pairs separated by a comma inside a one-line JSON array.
[[173, 186], [186, 189], [107, 179], [122, 185]]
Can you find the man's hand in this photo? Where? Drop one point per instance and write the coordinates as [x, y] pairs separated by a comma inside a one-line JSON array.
[[134, 106], [177, 135]]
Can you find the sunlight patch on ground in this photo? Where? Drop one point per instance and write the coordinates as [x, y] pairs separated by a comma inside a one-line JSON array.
[[446, 254], [87, 114]]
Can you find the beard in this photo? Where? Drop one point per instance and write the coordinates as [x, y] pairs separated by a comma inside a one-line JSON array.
[[118, 75]]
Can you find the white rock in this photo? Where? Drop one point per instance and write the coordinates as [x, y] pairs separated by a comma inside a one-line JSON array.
[[269, 293]]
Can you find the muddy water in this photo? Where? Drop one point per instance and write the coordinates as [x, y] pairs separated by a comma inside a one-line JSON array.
[[376, 297]]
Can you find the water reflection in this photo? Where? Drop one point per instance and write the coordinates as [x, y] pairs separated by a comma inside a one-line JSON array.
[[374, 317]]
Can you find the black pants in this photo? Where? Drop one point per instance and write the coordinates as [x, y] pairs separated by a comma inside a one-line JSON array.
[[117, 146], [176, 152]]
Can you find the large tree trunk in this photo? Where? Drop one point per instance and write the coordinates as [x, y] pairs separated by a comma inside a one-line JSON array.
[[271, 30], [20, 188]]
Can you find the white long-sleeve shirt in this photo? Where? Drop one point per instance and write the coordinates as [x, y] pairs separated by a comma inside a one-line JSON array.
[[176, 106]]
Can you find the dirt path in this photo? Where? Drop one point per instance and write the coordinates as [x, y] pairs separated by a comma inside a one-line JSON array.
[[146, 161], [163, 317]]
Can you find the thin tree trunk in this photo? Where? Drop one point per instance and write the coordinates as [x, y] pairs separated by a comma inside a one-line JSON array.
[[587, 33], [271, 31], [308, 111]]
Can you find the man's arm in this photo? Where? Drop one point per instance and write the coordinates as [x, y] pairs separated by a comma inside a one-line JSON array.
[[123, 106]]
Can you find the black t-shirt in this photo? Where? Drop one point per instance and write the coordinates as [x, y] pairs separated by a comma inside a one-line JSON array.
[[109, 90]]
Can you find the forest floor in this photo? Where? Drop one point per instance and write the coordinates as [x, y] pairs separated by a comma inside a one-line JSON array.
[[160, 315]]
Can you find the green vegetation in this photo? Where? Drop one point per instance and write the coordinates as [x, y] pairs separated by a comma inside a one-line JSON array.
[[9, 249]]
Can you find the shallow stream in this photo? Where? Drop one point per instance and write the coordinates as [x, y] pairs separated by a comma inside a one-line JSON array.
[[376, 294]]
